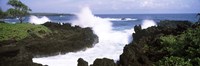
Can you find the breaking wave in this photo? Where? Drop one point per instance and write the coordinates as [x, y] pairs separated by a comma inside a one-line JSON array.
[[120, 19], [36, 20]]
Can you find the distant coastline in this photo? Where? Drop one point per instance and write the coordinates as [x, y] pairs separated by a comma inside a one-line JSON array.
[[50, 14], [58, 14]]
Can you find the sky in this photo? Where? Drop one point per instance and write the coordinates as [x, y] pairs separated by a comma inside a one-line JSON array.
[[111, 6]]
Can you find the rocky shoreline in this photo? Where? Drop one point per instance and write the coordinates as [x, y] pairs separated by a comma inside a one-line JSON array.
[[169, 43], [150, 49], [62, 39]]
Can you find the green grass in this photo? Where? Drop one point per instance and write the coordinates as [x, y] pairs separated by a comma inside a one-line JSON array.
[[21, 30]]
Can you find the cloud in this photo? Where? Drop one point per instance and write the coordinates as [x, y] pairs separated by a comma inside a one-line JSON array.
[[115, 6]]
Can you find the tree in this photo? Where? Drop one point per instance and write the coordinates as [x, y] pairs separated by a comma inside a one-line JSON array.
[[198, 15], [2, 14], [19, 10]]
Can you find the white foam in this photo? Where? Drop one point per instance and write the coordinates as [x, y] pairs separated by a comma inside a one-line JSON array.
[[130, 19], [113, 19], [120, 19], [36, 20], [148, 23]]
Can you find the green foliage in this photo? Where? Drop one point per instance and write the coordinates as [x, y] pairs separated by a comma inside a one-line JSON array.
[[185, 46], [19, 9], [170, 41], [187, 41], [173, 61], [172, 44], [21, 31], [192, 39], [196, 61], [2, 14]]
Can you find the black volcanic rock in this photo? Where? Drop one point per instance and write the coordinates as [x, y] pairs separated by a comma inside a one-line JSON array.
[[63, 38], [82, 62], [104, 62], [16, 56], [133, 56]]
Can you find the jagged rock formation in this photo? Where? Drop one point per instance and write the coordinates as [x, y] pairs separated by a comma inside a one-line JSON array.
[[62, 39], [104, 62], [82, 62]]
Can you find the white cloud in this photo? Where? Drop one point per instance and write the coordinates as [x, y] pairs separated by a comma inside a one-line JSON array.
[[115, 6]]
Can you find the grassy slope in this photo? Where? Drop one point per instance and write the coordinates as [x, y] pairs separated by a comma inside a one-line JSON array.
[[21, 31]]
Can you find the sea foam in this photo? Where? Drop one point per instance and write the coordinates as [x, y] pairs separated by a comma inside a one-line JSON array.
[[36, 20]]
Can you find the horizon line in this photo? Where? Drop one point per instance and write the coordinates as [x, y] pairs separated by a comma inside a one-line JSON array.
[[108, 13]]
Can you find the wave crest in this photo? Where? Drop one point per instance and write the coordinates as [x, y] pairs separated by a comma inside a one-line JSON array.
[[120, 19]]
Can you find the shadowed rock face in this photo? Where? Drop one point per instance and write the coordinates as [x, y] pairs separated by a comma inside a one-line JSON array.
[[64, 38], [104, 62], [15, 56], [133, 57], [82, 62], [97, 62]]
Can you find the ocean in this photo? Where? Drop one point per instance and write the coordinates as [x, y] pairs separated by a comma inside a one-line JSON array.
[[114, 32], [126, 21]]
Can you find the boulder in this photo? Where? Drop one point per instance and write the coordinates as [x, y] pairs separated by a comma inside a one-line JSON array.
[[16, 56], [104, 62], [133, 56], [82, 62]]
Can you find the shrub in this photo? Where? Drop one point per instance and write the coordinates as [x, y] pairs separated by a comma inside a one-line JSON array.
[[21, 31], [173, 61]]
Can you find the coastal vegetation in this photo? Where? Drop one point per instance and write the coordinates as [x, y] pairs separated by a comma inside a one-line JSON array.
[[2, 14], [20, 31], [18, 10], [171, 43]]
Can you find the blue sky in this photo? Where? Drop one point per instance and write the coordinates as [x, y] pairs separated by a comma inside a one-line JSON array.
[[112, 6]]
